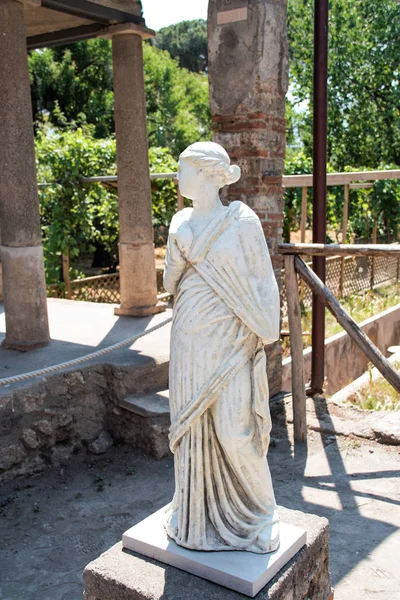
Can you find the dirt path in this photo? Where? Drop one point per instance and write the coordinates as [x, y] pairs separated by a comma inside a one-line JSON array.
[[53, 524]]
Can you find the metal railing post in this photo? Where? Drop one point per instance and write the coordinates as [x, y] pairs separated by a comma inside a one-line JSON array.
[[319, 185]]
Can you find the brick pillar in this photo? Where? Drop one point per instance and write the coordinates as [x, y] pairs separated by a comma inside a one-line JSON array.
[[248, 70], [25, 299]]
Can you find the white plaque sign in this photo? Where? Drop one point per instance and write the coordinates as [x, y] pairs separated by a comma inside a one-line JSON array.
[[232, 16]]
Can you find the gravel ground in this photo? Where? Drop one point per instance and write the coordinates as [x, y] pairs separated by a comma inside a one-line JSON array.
[[53, 524]]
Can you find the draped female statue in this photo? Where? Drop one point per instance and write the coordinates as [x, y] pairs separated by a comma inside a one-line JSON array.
[[226, 309]]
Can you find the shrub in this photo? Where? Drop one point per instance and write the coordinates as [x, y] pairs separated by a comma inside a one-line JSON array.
[[77, 218]]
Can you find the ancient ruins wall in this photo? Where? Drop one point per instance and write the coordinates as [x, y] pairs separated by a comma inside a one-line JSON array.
[[42, 424]]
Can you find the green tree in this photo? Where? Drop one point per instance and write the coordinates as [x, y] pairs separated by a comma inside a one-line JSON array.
[[177, 102], [73, 85], [364, 79], [186, 41], [77, 80]]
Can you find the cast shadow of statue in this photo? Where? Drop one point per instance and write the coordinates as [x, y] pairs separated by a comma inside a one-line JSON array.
[[318, 482]]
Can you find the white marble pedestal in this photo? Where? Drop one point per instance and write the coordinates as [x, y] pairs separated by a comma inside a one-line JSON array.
[[244, 572]]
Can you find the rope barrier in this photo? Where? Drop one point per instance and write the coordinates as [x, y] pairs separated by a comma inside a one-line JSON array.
[[81, 359]]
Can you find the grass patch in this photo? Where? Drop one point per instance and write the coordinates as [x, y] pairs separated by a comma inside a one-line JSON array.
[[377, 395], [360, 307]]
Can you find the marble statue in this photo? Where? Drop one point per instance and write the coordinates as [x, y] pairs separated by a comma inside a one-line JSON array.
[[226, 309]]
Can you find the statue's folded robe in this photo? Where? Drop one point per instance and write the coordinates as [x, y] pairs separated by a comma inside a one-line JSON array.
[[226, 308], [245, 282]]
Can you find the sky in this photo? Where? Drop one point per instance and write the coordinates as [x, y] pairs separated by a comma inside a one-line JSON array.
[[160, 13]]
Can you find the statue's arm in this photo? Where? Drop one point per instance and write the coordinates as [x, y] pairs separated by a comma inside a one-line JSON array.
[[180, 239], [175, 265]]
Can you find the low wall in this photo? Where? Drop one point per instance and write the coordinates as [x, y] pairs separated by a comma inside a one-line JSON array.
[[344, 361], [44, 423]]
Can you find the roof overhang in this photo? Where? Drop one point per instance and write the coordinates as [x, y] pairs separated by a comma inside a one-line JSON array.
[[55, 22]]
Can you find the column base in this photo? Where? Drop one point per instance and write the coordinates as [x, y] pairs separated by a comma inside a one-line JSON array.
[[19, 347], [25, 301], [140, 311]]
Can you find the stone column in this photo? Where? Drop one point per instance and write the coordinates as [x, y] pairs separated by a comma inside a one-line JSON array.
[[248, 70], [21, 250], [136, 250]]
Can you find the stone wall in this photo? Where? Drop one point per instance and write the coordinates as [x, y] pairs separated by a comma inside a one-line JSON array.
[[44, 423], [248, 69]]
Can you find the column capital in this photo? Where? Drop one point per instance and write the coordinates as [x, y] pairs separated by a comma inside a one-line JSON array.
[[126, 29]]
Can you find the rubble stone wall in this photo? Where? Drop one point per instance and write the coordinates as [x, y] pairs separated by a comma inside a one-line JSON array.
[[42, 424]]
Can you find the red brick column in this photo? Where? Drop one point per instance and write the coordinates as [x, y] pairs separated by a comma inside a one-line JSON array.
[[248, 82]]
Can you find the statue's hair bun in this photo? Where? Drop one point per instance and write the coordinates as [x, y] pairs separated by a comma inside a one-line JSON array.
[[233, 174], [213, 159]]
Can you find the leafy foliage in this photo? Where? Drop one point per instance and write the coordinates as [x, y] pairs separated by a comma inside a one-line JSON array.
[[164, 192], [297, 163], [378, 206], [364, 79], [77, 218], [73, 85], [74, 216], [385, 207], [186, 41], [177, 102]]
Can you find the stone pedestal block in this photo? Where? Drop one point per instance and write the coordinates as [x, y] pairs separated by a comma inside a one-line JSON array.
[[138, 280], [119, 574]]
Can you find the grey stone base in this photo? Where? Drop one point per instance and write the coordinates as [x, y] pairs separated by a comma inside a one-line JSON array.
[[119, 574], [25, 302], [140, 311]]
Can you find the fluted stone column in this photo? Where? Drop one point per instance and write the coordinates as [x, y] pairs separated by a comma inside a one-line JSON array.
[[136, 250], [21, 249]]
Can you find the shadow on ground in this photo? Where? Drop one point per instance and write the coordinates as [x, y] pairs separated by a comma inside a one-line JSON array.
[[53, 524], [355, 484]]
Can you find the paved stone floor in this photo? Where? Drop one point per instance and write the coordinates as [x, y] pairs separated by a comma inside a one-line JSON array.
[[80, 328], [53, 524]]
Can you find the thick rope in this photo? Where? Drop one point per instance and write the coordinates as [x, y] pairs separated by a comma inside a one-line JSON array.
[[81, 359]]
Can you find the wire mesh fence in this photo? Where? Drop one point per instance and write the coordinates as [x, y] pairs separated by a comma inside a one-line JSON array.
[[350, 275], [100, 288], [345, 276]]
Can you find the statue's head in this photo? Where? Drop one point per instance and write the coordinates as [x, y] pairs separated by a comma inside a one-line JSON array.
[[205, 164]]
